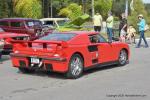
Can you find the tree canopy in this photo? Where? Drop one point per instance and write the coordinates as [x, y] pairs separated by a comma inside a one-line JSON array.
[[28, 8]]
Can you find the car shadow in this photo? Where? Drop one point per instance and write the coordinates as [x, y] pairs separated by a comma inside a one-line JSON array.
[[42, 73], [98, 69], [62, 76]]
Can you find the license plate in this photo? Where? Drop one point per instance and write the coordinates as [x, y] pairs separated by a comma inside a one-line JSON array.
[[35, 60]]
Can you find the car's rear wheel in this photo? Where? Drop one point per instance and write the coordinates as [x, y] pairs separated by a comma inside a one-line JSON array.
[[25, 70], [123, 57], [75, 67]]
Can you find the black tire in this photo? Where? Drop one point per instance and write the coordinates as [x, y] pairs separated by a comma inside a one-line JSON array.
[[123, 58], [75, 67], [25, 70]]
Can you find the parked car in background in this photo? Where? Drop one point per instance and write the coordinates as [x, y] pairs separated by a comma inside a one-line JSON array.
[[7, 36], [54, 22], [29, 26], [68, 52]]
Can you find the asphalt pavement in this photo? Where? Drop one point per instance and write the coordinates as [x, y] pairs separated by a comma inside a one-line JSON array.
[[130, 82]]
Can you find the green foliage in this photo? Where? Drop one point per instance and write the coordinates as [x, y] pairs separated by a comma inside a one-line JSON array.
[[103, 7], [3, 8], [118, 7], [139, 8], [72, 11], [80, 20], [28, 8], [147, 7], [64, 29], [116, 18]]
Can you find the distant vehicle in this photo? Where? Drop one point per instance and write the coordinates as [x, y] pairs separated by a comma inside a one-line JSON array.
[[6, 36], [29, 26], [68, 52], [54, 22]]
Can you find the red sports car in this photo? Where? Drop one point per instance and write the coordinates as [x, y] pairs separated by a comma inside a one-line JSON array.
[[68, 52]]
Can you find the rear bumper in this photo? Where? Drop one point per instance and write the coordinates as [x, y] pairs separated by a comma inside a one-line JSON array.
[[60, 59], [46, 63]]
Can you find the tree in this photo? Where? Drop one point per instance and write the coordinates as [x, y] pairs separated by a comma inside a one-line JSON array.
[[118, 7], [3, 8], [72, 11], [103, 6], [139, 8], [28, 8], [147, 7]]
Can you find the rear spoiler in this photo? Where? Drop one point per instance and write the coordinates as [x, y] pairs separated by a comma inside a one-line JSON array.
[[44, 43]]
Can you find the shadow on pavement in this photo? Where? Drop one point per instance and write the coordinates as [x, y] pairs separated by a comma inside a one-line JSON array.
[[99, 69], [62, 76], [45, 74]]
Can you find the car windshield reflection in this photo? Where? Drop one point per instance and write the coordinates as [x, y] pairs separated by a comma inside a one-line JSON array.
[[58, 37]]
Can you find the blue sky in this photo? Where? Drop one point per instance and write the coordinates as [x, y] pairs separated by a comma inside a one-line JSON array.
[[146, 1]]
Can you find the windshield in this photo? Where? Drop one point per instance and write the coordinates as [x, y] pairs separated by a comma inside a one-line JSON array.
[[33, 23], [58, 37]]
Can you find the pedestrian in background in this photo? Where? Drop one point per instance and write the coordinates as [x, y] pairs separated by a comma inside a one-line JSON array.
[[141, 26], [97, 21], [131, 32], [1, 48], [123, 27], [109, 24]]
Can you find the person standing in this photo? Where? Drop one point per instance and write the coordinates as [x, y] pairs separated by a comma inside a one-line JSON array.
[[141, 26], [122, 25], [97, 21], [109, 24]]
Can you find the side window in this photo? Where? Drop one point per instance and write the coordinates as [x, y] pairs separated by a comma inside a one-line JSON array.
[[3, 23], [15, 24], [101, 39], [97, 38], [94, 39]]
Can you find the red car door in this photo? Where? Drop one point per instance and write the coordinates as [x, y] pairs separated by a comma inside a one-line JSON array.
[[105, 50]]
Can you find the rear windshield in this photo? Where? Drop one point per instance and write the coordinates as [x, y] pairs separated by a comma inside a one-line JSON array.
[[58, 37]]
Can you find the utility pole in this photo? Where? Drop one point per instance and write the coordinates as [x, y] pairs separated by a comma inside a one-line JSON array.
[[126, 9], [93, 10]]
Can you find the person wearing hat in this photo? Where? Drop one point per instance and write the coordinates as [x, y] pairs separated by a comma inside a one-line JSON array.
[[109, 23], [141, 26], [97, 21]]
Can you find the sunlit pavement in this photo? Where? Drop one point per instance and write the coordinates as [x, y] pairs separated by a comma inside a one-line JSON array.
[[130, 82]]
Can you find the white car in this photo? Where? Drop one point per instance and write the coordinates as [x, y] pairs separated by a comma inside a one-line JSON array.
[[53, 22]]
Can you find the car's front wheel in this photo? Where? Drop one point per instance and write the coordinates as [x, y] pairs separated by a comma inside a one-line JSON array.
[[75, 67], [123, 57]]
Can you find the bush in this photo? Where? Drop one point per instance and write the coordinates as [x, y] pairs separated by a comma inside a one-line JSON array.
[[72, 11]]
